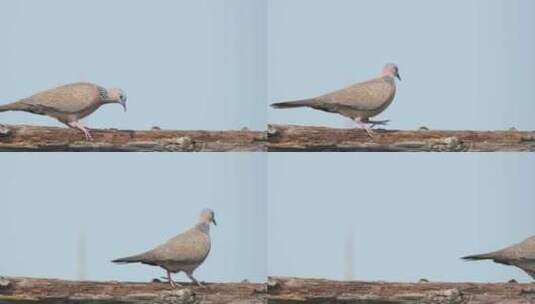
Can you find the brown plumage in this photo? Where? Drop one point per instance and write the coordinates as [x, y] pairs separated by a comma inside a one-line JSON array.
[[69, 103], [185, 252], [358, 102]]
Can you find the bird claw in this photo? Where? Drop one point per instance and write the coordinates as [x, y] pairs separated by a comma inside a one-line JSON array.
[[363, 125], [77, 125], [166, 280]]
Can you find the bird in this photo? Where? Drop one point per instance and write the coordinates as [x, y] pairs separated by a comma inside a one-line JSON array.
[[185, 252], [358, 102], [521, 255], [69, 103]]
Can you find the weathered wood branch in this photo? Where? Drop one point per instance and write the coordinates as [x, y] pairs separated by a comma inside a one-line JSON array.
[[276, 291], [292, 290], [45, 139], [282, 138], [278, 138], [48, 291]]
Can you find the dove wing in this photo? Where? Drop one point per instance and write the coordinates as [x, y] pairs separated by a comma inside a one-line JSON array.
[[71, 98], [367, 96], [191, 246]]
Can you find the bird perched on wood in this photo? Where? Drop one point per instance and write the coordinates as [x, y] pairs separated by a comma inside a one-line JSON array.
[[185, 252], [69, 103], [359, 102], [521, 255]]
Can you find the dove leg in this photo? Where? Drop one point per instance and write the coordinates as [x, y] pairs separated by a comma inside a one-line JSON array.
[[190, 276], [364, 126], [78, 125], [173, 284]]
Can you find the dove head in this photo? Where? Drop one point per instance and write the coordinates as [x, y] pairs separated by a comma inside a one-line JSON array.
[[116, 95], [207, 217], [391, 70]]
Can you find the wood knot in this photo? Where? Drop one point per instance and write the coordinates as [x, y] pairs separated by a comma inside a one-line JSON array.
[[4, 283], [4, 131], [272, 131], [184, 143], [272, 284], [184, 295], [452, 143]]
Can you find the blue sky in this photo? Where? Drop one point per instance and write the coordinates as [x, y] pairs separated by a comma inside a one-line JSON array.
[[187, 64], [409, 216], [464, 64], [126, 204], [206, 64]]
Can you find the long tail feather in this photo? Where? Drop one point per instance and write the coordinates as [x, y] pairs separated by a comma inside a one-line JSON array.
[[131, 259], [16, 106], [292, 104], [486, 256]]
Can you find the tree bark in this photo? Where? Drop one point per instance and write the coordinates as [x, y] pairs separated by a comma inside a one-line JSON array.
[[52, 139], [278, 138], [48, 291], [276, 291], [283, 138], [293, 290]]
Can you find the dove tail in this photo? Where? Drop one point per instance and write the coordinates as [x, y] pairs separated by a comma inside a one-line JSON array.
[[132, 259], [5, 108], [486, 256], [13, 107], [292, 104]]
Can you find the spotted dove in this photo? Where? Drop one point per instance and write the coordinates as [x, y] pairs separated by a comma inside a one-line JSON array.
[[69, 103], [521, 255], [359, 102], [185, 252]]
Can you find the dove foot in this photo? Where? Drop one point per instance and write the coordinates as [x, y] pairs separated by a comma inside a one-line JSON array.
[[171, 282], [364, 126], [190, 276], [77, 125]]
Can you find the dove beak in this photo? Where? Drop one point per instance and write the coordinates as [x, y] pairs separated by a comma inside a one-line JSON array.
[[213, 221], [398, 77], [123, 103]]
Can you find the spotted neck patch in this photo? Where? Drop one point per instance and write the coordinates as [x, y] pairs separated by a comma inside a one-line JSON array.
[[103, 93]]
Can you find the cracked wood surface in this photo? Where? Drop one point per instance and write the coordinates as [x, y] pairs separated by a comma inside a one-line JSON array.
[[48, 291], [53, 139], [294, 290], [276, 291], [278, 138], [284, 138]]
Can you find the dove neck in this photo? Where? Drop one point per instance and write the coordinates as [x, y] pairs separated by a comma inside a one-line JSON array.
[[203, 227], [389, 79], [106, 101], [387, 75]]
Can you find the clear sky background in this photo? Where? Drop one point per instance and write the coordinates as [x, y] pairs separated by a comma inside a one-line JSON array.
[[207, 64], [184, 64], [409, 216], [126, 204], [464, 64]]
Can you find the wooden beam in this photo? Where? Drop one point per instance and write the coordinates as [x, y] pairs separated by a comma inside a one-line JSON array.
[[53, 139], [294, 290], [285, 138], [278, 138], [276, 291], [48, 291]]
